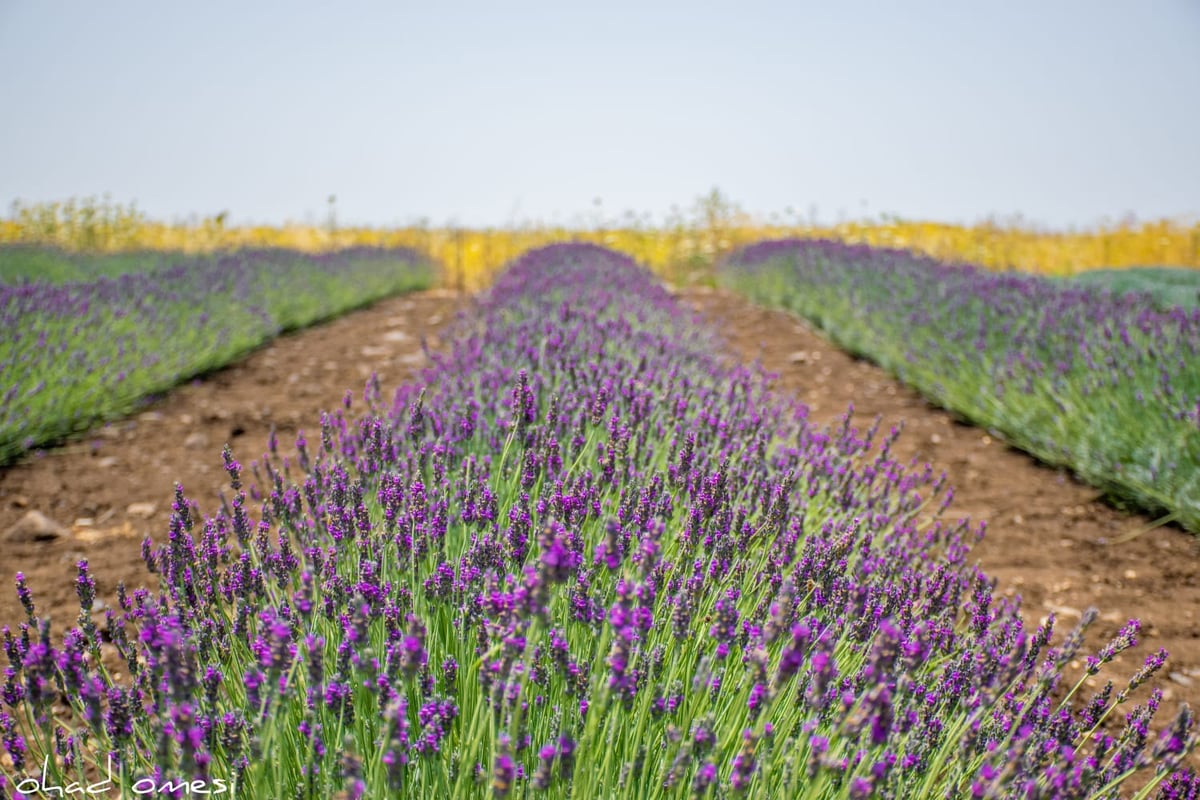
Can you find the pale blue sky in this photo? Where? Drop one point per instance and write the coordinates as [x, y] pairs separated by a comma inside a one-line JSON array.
[[1066, 111]]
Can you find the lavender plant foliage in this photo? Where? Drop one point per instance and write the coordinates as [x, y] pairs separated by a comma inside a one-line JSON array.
[[588, 557], [1105, 383], [75, 353]]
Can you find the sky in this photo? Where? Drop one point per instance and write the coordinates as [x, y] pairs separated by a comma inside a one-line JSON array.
[[1065, 112]]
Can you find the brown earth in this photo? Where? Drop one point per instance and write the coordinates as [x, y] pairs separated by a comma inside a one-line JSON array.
[[115, 486], [1050, 538]]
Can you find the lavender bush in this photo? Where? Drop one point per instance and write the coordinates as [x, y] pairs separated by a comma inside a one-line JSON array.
[[1105, 383], [75, 353], [587, 558]]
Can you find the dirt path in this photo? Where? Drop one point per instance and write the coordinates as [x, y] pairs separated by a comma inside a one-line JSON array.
[[1049, 538], [111, 489]]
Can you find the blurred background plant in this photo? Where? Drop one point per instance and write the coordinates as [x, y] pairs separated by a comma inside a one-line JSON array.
[[682, 247]]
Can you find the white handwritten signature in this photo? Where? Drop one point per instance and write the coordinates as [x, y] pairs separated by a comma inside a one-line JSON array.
[[143, 786]]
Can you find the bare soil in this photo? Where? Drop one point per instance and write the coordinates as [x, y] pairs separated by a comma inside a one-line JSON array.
[[112, 488], [1050, 539]]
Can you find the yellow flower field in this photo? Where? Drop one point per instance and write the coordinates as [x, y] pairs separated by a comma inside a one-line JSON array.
[[681, 249]]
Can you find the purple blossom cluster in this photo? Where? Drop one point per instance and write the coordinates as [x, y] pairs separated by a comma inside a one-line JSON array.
[[1105, 383], [74, 353], [588, 555]]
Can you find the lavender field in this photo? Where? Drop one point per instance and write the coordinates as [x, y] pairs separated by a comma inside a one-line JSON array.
[[1103, 382], [92, 336], [588, 555]]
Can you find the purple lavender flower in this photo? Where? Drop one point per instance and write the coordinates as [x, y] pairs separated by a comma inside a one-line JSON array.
[[504, 769], [1125, 638], [706, 777], [233, 468], [1153, 664], [744, 763], [24, 595], [725, 621], [542, 777], [412, 648]]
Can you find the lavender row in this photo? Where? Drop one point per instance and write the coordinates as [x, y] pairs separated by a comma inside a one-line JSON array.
[[76, 353], [1106, 384], [587, 557]]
